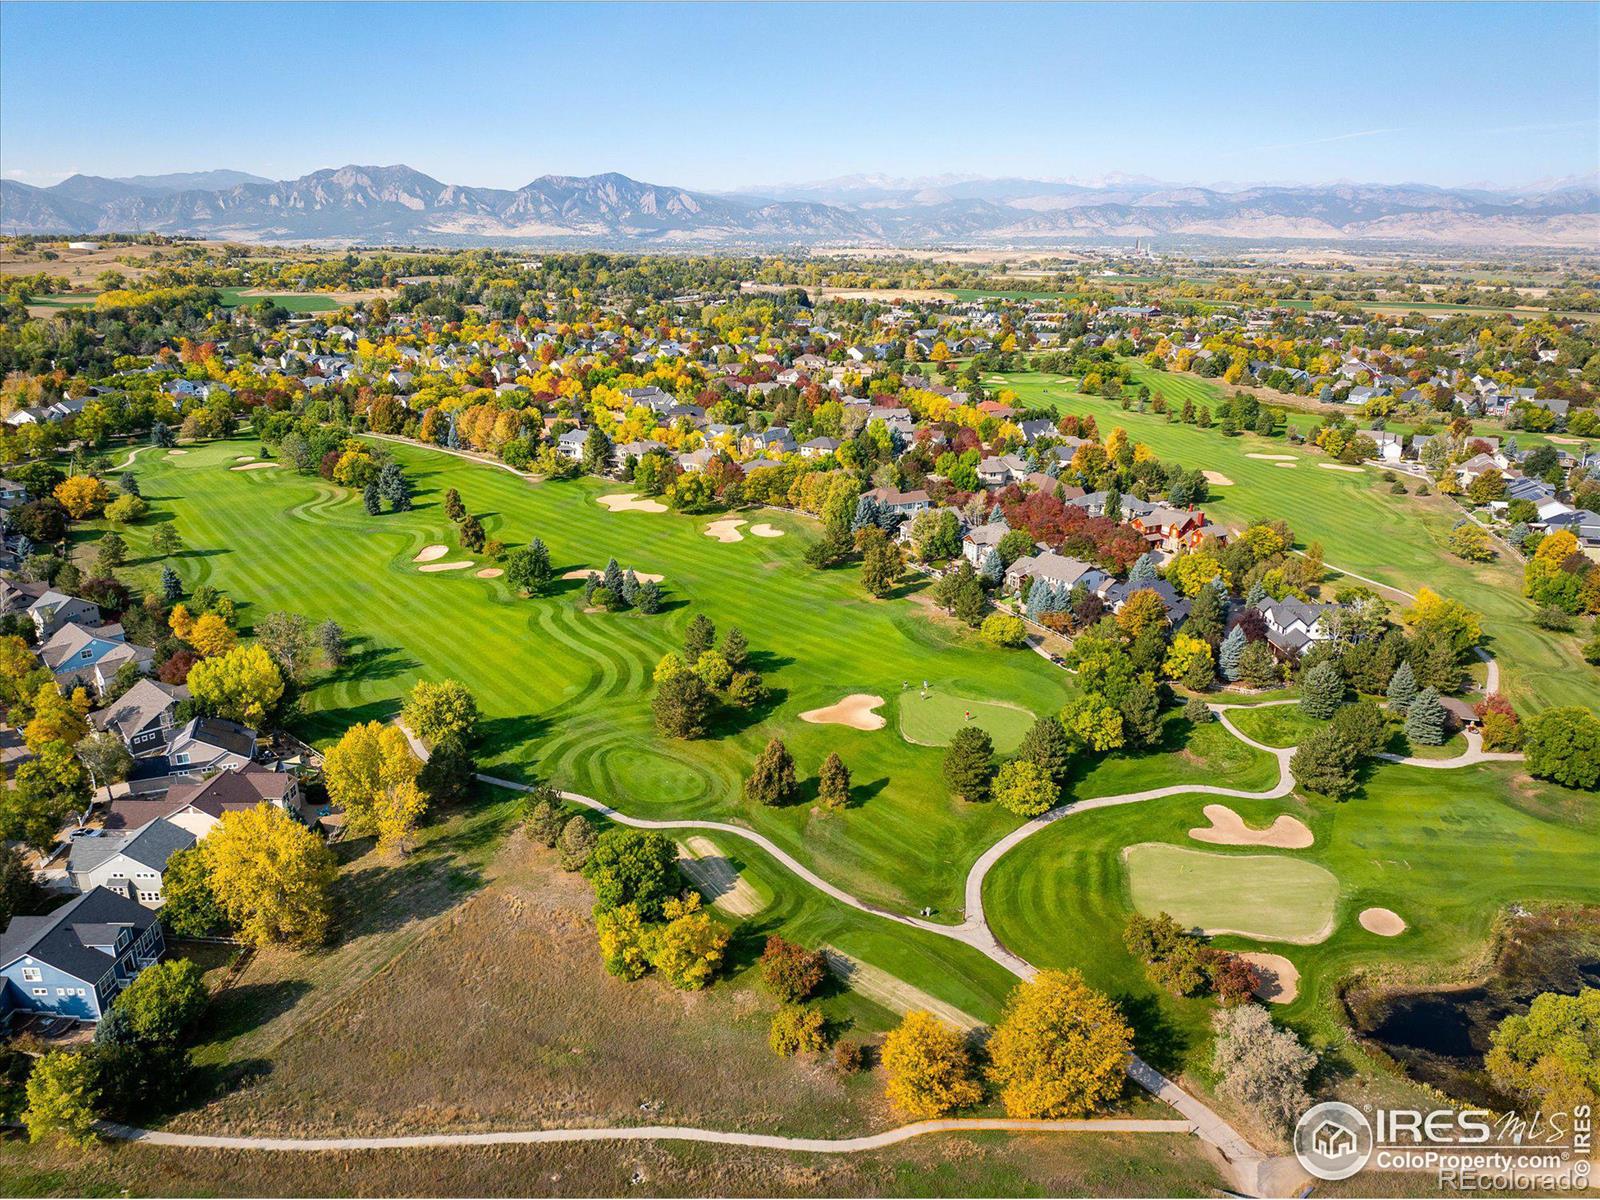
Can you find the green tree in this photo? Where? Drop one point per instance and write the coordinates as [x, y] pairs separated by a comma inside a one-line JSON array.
[[1025, 788], [62, 1092], [1322, 691], [969, 764], [1426, 719], [1325, 763], [700, 636], [189, 908], [1046, 744], [441, 712], [1402, 688], [833, 784], [1563, 745], [1258, 668], [682, 705], [1362, 724], [576, 844], [772, 779], [1550, 1056], [165, 1000], [528, 568], [633, 867]]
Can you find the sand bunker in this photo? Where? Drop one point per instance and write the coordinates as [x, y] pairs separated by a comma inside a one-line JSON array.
[[630, 502], [1217, 479], [256, 467], [490, 573], [177, 452], [1280, 982], [449, 566], [1340, 467], [1227, 828], [765, 530], [1288, 466], [585, 572], [725, 531], [1382, 922], [714, 877], [431, 553], [854, 710], [245, 458], [1272, 457]]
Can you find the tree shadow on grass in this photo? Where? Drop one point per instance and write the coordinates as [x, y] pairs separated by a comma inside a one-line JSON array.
[[1161, 1043], [242, 1008], [728, 721], [500, 735]]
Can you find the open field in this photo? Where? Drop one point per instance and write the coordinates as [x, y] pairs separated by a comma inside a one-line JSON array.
[[1268, 897], [543, 670], [1446, 855], [1342, 511], [935, 720], [950, 1165]]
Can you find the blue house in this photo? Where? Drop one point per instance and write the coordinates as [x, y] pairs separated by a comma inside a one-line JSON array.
[[74, 962]]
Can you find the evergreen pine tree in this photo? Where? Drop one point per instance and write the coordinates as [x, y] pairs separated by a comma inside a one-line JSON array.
[[630, 588], [993, 569], [833, 784], [1425, 721], [1048, 746], [772, 778], [171, 585], [649, 597], [1322, 691], [373, 500], [969, 764], [735, 650], [1258, 593], [1144, 571], [698, 638], [866, 514], [1232, 651], [1402, 688], [613, 578]]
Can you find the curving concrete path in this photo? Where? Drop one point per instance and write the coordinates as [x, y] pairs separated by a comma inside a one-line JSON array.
[[1475, 754], [640, 1133]]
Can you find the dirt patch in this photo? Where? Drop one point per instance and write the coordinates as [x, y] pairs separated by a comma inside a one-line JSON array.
[[715, 878], [765, 530], [490, 573], [1382, 921], [430, 553], [1340, 467], [725, 531], [894, 994], [256, 467], [1217, 479], [854, 710], [1280, 981], [630, 502], [1227, 828], [449, 566], [585, 572], [1273, 457]]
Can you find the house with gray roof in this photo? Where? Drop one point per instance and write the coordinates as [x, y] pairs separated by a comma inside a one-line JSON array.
[[76, 960], [1058, 569], [1293, 624], [143, 717], [131, 863]]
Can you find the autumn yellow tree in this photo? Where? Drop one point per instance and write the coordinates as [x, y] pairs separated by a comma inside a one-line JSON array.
[[82, 495], [243, 684], [1060, 1050], [1142, 610], [211, 636], [930, 1072], [366, 774], [181, 621], [57, 718], [271, 875], [690, 946]]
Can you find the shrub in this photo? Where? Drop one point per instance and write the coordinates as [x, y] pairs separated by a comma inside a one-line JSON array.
[[1003, 629], [797, 1029], [791, 972], [1262, 1068]]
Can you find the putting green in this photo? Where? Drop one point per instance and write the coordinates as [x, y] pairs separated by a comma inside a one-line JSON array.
[[1267, 896], [934, 721]]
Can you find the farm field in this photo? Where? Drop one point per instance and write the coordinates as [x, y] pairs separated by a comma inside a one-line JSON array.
[[1446, 852], [1396, 540]]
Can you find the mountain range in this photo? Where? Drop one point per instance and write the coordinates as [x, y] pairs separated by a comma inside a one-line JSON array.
[[397, 204]]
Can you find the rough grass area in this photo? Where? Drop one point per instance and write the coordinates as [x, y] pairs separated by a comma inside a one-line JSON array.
[[954, 1165], [1271, 897], [500, 1015], [935, 720]]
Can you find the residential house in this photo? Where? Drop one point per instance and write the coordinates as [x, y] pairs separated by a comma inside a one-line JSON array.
[[570, 444], [818, 447], [197, 805], [998, 470], [130, 863], [1391, 446], [902, 504], [79, 656], [1170, 529], [980, 539], [1057, 569], [54, 609], [202, 747], [143, 716], [75, 961], [1293, 624]]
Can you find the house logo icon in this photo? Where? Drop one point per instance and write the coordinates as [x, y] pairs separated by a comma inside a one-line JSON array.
[[1333, 1141]]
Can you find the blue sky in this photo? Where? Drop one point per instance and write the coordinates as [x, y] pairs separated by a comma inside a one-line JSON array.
[[719, 96]]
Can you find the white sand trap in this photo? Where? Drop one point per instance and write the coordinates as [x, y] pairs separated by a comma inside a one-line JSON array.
[[256, 467], [765, 530], [1227, 828], [177, 452], [1382, 922], [450, 566], [1288, 466], [1272, 457], [1340, 467], [431, 553], [490, 573], [245, 458], [1217, 479], [585, 572], [714, 877], [894, 994], [630, 502], [1280, 982], [725, 531], [854, 710]]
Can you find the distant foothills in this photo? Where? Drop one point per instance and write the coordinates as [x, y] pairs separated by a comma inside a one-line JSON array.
[[390, 205]]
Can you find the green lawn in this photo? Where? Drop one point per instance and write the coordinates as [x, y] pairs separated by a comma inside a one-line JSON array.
[[1397, 540], [1271, 897], [232, 297], [934, 719], [566, 693], [1445, 850]]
